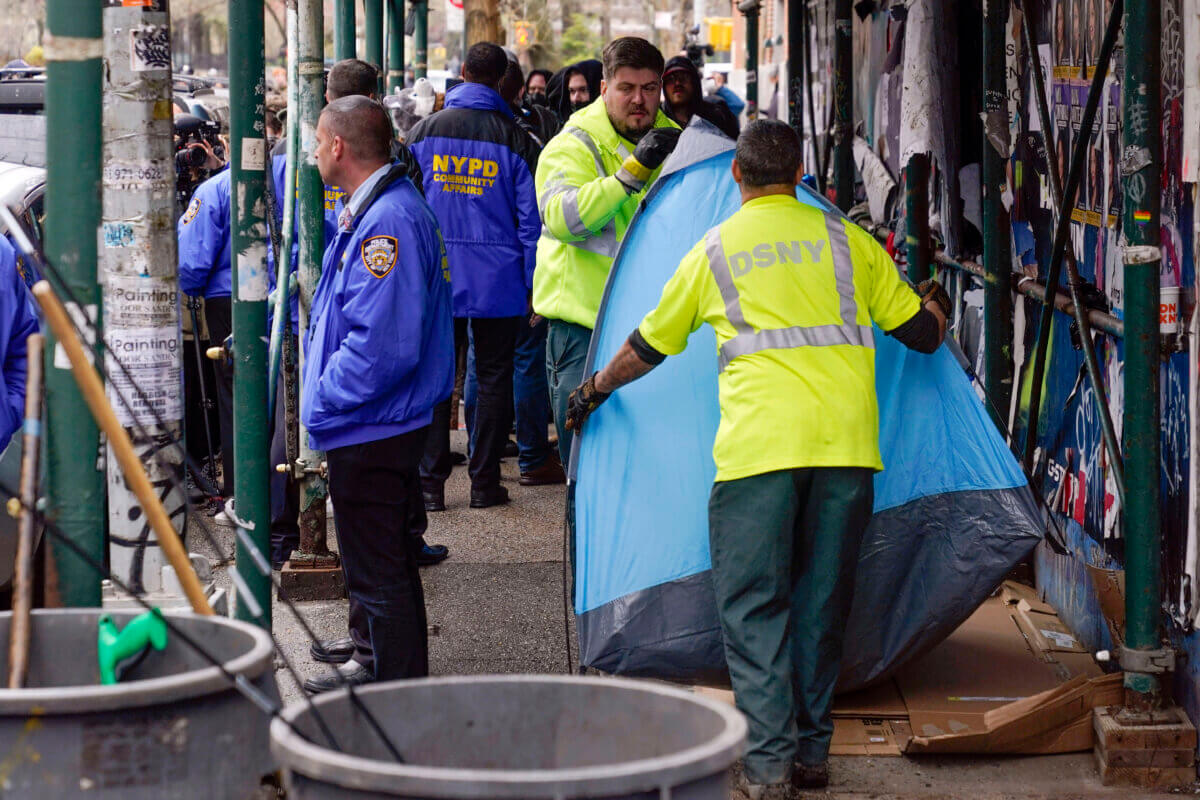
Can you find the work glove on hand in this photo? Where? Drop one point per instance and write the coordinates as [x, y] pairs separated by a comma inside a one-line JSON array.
[[648, 156], [582, 402], [931, 290]]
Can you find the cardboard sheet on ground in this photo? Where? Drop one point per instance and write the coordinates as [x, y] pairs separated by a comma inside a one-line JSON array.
[[988, 688], [952, 510]]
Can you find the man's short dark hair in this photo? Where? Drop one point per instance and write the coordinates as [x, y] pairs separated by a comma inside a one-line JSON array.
[[351, 77], [511, 83], [486, 64], [363, 124], [630, 51], [768, 153]]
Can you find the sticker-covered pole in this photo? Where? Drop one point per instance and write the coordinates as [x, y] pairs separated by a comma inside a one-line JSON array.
[[139, 271], [251, 428], [75, 483], [1141, 116]]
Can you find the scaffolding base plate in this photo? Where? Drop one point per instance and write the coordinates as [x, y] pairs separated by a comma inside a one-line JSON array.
[[312, 583]]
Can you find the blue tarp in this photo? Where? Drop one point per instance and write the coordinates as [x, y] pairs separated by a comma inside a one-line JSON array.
[[952, 516]]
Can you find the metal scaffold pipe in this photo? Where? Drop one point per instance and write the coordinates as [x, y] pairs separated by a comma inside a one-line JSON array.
[[373, 29], [395, 62], [1141, 117], [344, 34], [916, 217], [251, 428], [795, 65], [997, 245], [311, 99], [843, 106], [750, 9], [75, 483], [420, 9]]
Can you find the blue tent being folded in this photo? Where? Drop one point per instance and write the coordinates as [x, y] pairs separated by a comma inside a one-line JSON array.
[[953, 513]]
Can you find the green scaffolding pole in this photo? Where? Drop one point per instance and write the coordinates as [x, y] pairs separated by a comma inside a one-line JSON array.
[[251, 425], [420, 38], [997, 249], [344, 44], [916, 217], [373, 26], [750, 9], [843, 106], [75, 489], [395, 64], [1141, 116], [795, 65]]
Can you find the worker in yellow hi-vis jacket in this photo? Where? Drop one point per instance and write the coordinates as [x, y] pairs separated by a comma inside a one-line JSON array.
[[791, 292], [590, 179]]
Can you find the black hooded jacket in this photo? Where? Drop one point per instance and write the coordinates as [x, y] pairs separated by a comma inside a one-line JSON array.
[[716, 113], [556, 90]]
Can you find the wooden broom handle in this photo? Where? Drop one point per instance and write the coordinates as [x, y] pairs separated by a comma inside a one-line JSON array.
[[93, 393]]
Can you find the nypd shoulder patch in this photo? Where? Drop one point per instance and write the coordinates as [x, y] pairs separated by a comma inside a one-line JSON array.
[[192, 210], [379, 255]]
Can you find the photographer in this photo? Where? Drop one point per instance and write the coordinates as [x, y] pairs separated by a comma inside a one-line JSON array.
[[199, 154]]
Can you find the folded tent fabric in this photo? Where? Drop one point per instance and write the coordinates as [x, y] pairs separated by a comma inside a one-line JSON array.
[[952, 514]]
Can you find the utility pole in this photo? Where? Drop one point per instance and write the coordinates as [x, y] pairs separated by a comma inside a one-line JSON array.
[[1142, 167], [843, 106], [482, 22], [140, 279], [373, 24], [795, 65], [395, 65], [420, 38], [251, 424], [75, 484], [750, 9], [344, 34], [997, 249]]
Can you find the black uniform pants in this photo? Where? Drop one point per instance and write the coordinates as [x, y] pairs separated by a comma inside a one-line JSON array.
[[380, 519], [218, 316], [495, 341]]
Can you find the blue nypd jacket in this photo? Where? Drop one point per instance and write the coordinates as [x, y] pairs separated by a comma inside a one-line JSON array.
[[204, 240], [17, 321], [477, 168], [379, 353]]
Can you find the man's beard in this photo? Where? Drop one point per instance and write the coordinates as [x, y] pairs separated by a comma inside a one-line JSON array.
[[631, 134]]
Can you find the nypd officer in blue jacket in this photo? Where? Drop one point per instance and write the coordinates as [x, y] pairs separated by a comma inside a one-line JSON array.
[[477, 168], [378, 358]]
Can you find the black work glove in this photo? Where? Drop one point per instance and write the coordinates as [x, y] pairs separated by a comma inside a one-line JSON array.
[[582, 402], [932, 290], [648, 156]]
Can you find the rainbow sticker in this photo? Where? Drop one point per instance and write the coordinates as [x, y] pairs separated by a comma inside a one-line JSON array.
[[1141, 216]]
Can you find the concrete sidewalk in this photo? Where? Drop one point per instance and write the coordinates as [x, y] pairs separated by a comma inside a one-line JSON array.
[[496, 606]]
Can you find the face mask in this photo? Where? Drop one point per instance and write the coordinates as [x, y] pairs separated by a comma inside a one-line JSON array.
[[535, 99], [576, 106]]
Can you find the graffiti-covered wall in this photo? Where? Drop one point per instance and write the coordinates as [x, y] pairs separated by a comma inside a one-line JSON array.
[[927, 98]]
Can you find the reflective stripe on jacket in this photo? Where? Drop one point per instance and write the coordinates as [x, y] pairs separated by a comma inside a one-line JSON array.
[[585, 212], [791, 293]]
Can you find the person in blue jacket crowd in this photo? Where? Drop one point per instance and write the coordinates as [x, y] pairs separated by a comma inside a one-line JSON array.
[[205, 269], [476, 166], [17, 322], [378, 359]]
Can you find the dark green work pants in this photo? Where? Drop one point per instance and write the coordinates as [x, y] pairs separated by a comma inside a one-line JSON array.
[[784, 551]]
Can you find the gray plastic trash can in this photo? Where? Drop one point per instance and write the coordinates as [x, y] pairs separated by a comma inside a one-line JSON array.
[[173, 729], [519, 736]]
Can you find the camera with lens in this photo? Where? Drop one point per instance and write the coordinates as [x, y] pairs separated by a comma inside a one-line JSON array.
[[192, 157], [695, 50]]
